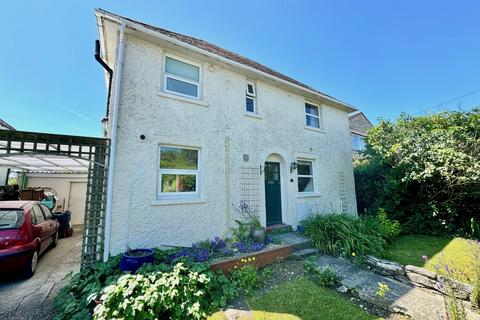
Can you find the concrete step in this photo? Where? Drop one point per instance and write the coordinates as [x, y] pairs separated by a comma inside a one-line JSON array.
[[301, 254], [279, 229], [296, 240]]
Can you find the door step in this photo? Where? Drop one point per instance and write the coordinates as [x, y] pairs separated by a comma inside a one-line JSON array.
[[301, 254], [279, 229], [296, 240]]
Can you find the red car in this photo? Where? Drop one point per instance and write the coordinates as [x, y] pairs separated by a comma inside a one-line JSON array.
[[27, 229]]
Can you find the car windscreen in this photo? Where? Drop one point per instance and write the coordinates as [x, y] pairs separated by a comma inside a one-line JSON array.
[[11, 219]]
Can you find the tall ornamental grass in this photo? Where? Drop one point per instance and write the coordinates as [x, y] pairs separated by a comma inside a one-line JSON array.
[[340, 233]]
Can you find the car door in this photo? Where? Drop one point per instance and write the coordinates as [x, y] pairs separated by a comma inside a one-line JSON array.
[[51, 222], [41, 227]]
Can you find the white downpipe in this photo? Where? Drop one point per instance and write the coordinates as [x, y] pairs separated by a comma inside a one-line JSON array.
[[113, 139]]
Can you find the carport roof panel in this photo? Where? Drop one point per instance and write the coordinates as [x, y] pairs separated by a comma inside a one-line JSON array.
[[43, 163]]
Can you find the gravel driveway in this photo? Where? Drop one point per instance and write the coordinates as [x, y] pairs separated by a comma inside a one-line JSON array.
[[32, 298]]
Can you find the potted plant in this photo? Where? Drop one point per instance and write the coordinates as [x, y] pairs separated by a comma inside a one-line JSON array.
[[257, 231], [133, 259]]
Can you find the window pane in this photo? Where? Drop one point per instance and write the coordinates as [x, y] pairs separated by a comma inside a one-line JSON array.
[[182, 69], [10, 219], [305, 184], [313, 122], [182, 87], [250, 89], [250, 105], [176, 158], [358, 143], [304, 168], [178, 183], [311, 109], [38, 214]]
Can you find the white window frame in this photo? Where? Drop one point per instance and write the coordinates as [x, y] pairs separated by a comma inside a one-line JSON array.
[[319, 117], [178, 195], [312, 175], [251, 96], [179, 78]]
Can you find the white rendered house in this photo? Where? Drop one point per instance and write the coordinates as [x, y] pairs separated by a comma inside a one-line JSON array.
[[196, 128]]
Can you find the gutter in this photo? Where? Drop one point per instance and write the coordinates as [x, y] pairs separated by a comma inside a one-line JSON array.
[[113, 139], [109, 71]]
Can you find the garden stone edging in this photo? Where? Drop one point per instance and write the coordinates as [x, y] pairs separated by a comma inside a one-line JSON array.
[[417, 276]]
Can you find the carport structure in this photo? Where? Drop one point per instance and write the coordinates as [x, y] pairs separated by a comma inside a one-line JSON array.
[[44, 151]]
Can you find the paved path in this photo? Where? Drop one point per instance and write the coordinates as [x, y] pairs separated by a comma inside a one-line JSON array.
[[415, 302], [32, 298]]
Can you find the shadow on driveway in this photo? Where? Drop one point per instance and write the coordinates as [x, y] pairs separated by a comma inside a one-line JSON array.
[[33, 298]]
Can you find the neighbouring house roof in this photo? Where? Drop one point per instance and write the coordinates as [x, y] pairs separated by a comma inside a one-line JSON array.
[[232, 56], [359, 123], [5, 125]]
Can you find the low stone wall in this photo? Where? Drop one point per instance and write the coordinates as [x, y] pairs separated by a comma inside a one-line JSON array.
[[417, 276]]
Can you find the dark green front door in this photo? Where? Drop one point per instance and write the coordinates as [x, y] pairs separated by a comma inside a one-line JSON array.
[[273, 198]]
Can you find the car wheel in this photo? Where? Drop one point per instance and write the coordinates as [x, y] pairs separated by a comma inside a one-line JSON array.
[[55, 240], [31, 266]]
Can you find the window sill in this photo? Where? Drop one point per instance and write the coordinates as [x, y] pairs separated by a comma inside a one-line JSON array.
[[173, 201], [308, 195], [315, 129], [183, 99], [253, 115]]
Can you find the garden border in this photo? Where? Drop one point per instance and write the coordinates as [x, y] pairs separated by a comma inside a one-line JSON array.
[[261, 259]]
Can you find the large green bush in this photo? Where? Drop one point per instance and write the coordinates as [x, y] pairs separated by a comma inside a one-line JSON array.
[[78, 298], [340, 233], [425, 172], [183, 293]]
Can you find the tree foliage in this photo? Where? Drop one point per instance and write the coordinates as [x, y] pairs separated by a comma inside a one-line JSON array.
[[425, 170]]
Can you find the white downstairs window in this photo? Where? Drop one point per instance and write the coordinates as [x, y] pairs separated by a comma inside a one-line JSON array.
[[178, 172], [250, 99], [305, 176], [181, 77]]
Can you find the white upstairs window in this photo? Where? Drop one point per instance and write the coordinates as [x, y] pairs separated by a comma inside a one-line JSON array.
[[250, 103], [181, 78], [312, 115]]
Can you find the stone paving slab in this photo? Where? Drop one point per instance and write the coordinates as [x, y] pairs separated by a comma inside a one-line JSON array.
[[415, 302]]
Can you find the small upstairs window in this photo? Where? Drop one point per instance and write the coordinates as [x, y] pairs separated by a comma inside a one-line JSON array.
[[182, 78], [250, 103], [312, 115]]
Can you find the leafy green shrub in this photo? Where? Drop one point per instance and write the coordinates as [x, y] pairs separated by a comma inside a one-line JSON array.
[[387, 228], [324, 277], [424, 170], [246, 278], [183, 293], [340, 233], [76, 299]]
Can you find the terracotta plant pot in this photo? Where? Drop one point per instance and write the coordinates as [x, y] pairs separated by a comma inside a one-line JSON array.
[[258, 234]]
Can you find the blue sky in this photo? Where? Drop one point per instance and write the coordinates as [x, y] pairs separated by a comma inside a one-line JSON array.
[[384, 57]]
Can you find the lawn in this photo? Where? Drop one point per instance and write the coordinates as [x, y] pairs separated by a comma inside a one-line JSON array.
[[303, 299], [457, 254]]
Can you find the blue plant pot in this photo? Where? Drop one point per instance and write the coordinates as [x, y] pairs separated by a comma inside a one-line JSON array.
[[134, 259]]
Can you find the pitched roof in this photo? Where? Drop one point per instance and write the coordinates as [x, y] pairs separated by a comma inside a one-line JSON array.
[[207, 46], [6, 125]]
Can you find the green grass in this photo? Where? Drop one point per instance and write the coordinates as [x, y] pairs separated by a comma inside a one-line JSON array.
[[457, 254], [302, 299]]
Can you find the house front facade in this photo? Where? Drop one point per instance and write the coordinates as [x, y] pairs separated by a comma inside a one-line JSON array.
[[197, 129]]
